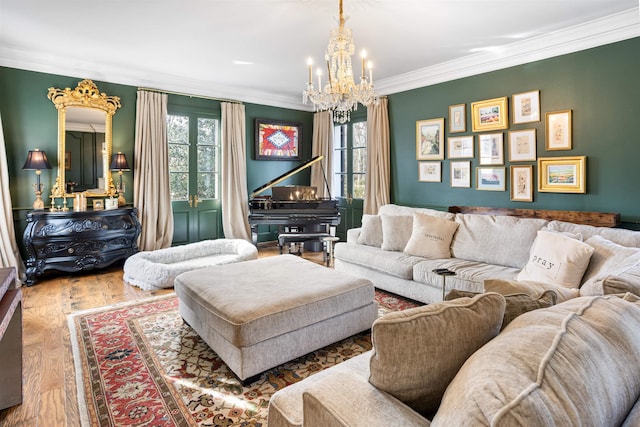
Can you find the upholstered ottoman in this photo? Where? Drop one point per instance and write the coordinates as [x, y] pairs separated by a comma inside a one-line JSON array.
[[157, 269], [259, 314]]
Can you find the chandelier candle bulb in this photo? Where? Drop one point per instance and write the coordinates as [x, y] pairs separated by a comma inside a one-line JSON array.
[[364, 59], [370, 66], [310, 63], [319, 73]]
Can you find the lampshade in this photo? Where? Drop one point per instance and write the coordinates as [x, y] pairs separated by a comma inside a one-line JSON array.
[[119, 162], [37, 160]]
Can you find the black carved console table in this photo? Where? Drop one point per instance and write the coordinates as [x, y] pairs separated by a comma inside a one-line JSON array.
[[79, 240]]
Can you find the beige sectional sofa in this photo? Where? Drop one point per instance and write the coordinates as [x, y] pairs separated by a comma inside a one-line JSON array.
[[444, 364], [487, 253]]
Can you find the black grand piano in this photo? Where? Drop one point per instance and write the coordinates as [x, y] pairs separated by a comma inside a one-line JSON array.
[[292, 206]]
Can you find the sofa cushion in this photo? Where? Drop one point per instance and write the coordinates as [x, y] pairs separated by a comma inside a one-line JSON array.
[[557, 259], [529, 287], [431, 236], [391, 209], [397, 264], [396, 231], [568, 365], [417, 352], [609, 259], [470, 275], [495, 239], [615, 283], [617, 235], [516, 304], [371, 232]]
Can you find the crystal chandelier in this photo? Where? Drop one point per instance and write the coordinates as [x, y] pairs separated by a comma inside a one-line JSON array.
[[340, 94]]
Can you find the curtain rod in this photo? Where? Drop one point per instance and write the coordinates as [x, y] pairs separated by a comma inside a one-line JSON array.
[[169, 92]]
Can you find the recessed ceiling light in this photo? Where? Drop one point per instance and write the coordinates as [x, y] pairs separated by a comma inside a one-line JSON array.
[[242, 63]]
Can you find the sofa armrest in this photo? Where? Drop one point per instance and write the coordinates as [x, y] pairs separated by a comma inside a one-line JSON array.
[[353, 234], [349, 399]]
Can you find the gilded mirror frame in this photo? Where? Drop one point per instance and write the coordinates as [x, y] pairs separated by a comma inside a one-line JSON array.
[[86, 95]]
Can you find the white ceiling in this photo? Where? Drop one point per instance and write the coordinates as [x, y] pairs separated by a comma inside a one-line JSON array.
[[256, 50]]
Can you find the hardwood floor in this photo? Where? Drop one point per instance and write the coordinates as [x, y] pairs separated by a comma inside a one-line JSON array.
[[49, 382]]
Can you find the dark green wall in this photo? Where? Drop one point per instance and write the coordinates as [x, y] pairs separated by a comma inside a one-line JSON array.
[[600, 85]]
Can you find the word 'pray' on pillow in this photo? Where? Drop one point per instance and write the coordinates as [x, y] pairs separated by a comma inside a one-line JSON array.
[[396, 231], [371, 232], [417, 352], [557, 259], [431, 236], [517, 304]]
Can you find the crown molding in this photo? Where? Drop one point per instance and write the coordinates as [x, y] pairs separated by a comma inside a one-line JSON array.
[[610, 29], [621, 26]]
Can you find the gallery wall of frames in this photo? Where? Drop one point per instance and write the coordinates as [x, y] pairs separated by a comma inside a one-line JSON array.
[[491, 138], [560, 133]]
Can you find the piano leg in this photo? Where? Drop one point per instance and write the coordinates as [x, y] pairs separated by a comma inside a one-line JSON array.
[[254, 234]]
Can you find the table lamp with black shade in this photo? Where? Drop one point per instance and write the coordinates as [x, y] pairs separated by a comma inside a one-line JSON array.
[[119, 163], [37, 160]]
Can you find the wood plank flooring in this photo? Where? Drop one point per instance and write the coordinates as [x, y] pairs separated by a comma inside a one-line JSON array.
[[49, 382]]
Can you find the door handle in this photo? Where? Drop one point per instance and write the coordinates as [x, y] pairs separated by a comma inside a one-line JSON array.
[[349, 199], [196, 200], [190, 201]]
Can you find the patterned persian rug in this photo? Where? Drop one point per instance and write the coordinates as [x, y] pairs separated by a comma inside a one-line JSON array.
[[139, 364]]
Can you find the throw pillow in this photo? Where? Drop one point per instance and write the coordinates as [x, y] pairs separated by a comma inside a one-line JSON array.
[[431, 237], [516, 304], [396, 231], [508, 287], [371, 232], [608, 259], [417, 352], [557, 259]]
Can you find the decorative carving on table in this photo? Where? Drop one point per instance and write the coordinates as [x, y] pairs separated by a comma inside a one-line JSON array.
[[79, 240]]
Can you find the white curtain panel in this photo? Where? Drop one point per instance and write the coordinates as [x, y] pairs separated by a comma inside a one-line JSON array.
[[9, 252], [151, 193], [377, 184], [233, 186], [322, 145]]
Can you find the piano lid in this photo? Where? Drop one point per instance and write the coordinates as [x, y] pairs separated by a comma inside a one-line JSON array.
[[285, 175]]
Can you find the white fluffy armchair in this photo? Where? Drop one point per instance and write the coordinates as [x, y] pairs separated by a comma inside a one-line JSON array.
[[157, 269]]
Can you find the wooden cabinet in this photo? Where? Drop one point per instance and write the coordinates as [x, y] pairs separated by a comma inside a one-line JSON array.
[[10, 339], [79, 240]]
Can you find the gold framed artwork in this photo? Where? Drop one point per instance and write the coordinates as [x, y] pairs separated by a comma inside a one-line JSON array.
[[526, 107], [522, 183], [461, 174], [430, 139], [430, 171], [562, 174], [490, 179], [522, 145], [491, 114], [460, 147], [558, 131], [457, 118], [491, 149]]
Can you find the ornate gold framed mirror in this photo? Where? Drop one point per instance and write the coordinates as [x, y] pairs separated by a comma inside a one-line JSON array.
[[87, 106]]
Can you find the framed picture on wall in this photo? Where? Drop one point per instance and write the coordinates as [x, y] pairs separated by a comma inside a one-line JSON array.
[[522, 183], [461, 174], [491, 114], [430, 171], [490, 179], [460, 147], [562, 174], [526, 107], [558, 130], [277, 140], [491, 149], [522, 145], [457, 118], [430, 139]]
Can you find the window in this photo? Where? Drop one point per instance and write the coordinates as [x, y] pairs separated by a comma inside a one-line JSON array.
[[193, 156], [349, 160]]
